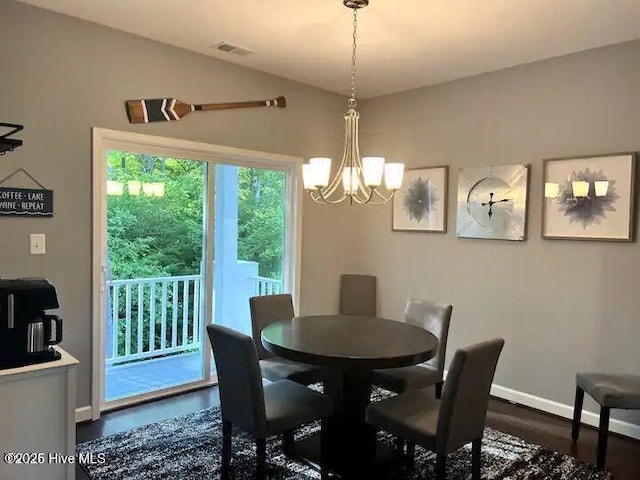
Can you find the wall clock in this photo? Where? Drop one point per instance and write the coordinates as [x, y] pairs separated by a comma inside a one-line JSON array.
[[492, 202]]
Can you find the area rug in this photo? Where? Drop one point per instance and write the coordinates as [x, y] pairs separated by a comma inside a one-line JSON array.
[[188, 448]]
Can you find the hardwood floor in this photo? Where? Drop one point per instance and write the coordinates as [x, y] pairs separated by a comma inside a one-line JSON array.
[[623, 458]]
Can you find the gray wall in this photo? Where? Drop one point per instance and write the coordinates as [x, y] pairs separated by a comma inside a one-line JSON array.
[[562, 306], [60, 76]]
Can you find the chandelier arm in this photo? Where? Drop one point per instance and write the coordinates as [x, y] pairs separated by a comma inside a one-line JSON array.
[[381, 202], [363, 200], [384, 197], [323, 199]]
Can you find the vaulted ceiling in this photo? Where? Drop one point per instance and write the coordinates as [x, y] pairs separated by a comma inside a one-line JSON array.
[[402, 44]]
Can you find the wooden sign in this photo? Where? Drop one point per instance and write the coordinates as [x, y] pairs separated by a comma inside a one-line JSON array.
[[26, 202]]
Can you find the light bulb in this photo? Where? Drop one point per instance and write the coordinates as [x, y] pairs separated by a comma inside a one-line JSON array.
[[372, 170], [580, 188], [601, 186], [393, 173]]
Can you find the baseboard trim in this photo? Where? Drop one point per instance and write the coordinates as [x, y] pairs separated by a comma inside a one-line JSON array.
[[561, 410], [566, 411], [83, 414]]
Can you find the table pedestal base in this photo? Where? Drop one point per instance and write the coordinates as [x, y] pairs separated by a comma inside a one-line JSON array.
[[353, 452], [386, 457]]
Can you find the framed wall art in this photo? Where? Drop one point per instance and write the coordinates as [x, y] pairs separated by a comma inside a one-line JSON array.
[[589, 198], [421, 204], [492, 202]]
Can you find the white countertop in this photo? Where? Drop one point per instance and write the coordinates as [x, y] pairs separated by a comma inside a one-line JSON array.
[[65, 361]]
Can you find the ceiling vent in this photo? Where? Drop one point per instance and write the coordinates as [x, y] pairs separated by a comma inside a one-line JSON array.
[[234, 49]]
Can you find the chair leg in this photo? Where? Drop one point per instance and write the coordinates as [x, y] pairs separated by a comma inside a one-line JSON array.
[[476, 459], [441, 466], [261, 458], [603, 435], [411, 452], [324, 450], [288, 443], [226, 444], [577, 414], [439, 386]]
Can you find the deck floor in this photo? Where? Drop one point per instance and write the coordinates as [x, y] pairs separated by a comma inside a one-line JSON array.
[[137, 378]]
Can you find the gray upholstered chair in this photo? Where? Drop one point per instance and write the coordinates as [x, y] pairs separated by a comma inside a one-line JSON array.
[[264, 311], [260, 410], [435, 318], [610, 391], [358, 295], [445, 425]]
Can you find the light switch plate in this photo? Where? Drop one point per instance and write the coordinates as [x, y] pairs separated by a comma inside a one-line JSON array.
[[37, 242]]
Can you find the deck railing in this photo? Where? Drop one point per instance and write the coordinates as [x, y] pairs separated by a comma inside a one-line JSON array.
[[267, 286], [153, 317]]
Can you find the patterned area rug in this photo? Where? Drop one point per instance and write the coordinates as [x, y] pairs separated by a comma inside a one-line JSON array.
[[188, 448]]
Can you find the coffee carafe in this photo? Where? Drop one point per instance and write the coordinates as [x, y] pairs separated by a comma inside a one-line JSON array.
[[43, 332], [27, 333]]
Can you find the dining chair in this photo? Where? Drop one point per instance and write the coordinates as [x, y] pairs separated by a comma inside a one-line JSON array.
[[358, 295], [610, 391], [265, 310], [444, 426], [435, 318], [260, 410]]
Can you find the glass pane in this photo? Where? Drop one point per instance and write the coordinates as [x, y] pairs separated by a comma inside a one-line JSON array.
[[155, 244], [250, 240]]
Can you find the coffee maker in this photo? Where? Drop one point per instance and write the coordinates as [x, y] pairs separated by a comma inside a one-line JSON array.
[[26, 332]]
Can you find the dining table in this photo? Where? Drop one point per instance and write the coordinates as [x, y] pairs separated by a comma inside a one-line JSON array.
[[349, 347]]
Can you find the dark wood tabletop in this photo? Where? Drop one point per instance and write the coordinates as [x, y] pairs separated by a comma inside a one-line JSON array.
[[349, 341]]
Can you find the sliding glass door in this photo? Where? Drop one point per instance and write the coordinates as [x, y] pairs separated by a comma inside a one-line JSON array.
[[250, 240], [184, 234], [155, 268]]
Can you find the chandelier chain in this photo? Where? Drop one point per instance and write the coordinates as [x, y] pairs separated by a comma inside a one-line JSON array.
[[353, 56]]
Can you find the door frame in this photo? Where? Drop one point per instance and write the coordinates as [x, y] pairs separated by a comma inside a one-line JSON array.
[[107, 139]]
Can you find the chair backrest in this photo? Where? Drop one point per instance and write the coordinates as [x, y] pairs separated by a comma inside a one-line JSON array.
[[435, 318], [358, 295], [265, 310], [239, 379], [463, 408]]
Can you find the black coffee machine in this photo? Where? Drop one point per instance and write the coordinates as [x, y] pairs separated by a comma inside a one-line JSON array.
[[26, 332]]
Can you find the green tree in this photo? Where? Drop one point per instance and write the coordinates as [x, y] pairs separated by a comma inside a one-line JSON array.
[[261, 219]]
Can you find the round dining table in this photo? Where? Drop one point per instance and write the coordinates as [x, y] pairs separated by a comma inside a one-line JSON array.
[[350, 347]]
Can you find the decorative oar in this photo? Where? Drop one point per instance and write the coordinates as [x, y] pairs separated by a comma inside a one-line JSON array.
[[168, 109]]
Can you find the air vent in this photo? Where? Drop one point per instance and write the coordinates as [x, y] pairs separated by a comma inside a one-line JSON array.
[[234, 49]]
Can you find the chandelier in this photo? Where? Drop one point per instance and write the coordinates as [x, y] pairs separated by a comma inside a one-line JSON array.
[[356, 180]]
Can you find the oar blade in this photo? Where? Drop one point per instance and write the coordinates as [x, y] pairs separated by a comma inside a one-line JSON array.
[[156, 110]]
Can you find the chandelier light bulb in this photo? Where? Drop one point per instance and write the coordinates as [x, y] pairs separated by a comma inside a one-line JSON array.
[[350, 181], [372, 170], [580, 188], [158, 189], [602, 187], [115, 188], [551, 190], [322, 170], [134, 187], [309, 176], [393, 173]]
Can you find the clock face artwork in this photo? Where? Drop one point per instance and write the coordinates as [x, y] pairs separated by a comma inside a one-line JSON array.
[[492, 202]]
